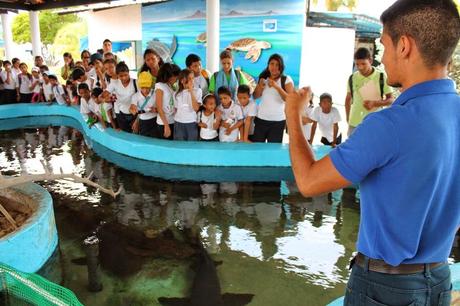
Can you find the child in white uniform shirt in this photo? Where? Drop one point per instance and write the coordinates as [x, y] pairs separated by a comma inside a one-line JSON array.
[[88, 108], [249, 108], [164, 99], [58, 91], [104, 110], [232, 116], [47, 88], [209, 119], [24, 85], [37, 84], [200, 75], [9, 83], [187, 102], [143, 106], [124, 88], [328, 118]]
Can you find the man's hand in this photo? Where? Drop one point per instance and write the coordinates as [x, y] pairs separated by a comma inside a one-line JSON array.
[[296, 101], [370, 105]]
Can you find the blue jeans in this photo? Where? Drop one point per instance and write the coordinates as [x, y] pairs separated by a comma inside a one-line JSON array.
[[429, 288]]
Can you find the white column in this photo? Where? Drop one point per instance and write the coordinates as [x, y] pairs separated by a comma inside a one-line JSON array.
[[7, 36], [35, 33], [213, 34]]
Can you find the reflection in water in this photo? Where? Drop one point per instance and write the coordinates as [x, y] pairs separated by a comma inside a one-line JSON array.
[[274, 243]]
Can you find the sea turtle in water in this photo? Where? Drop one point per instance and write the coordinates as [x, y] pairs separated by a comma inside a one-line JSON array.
[[251, 46], [165, 52], [202, 38]]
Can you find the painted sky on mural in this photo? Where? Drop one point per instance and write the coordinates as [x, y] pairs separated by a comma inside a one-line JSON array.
[[166, 11]]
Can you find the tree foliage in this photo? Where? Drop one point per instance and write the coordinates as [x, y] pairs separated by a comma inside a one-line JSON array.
[[50, 23], [334, 5], [68, 39]]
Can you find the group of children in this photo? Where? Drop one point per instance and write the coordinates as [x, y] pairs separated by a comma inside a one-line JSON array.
[[174, 104]]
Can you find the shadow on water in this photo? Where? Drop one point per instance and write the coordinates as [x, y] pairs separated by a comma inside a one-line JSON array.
[[273, 243]]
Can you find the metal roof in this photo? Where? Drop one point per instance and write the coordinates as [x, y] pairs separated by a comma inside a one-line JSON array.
[[365, 26]]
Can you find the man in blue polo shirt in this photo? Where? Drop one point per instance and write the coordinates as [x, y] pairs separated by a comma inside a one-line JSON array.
[[406, 159]]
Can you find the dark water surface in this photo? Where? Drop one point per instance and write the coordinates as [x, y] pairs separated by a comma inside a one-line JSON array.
[[275, 244]]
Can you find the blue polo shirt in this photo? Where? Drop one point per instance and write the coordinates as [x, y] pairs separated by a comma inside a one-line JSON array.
[[406, 159]]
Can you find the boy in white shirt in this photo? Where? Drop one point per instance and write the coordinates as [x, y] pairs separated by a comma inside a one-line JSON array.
[[58, 91], [104, 111], [232, 116], [124, 88], [249, 108], [328, 118], [143, 106], [88, 108], [47, 88], [201, 76]]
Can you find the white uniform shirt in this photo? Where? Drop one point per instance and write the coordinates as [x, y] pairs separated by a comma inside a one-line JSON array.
[[183, 105], [307, 127], [47, 91], [326, 121], [13, 80], [87, 106], [209, 132], [230, 115], [271, 107], [201, 83], [58, 91], [24, 83], [168, 102], [37, 87], [124, 95], [139, 100], [250, 110]]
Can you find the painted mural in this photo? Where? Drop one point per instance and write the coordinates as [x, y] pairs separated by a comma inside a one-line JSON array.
[[253, 30]]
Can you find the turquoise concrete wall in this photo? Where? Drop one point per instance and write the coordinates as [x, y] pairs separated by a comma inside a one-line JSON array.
[[164, 151], [29, 248]]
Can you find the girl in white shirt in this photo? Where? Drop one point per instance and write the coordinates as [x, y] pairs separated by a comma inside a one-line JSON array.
[[25, 85], [272, 89], [164, 99], [187, 102], [232, 116], [209, 119], [37, 84]]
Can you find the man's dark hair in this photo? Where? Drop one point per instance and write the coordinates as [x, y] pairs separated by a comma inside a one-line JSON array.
[[224, 91], [44, 68], [107, 40], [167, 71], [52, 77], [77, 74], [244, 89], [192, 58], [83, 86], [7, 62], [121, 67], [433, 24], [363, 54]]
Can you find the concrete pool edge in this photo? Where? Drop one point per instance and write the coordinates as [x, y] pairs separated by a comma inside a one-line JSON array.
[[30, 247], [168, 152]]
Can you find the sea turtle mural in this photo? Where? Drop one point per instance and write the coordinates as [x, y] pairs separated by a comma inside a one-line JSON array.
[[252, 46], [163, 50], [202, 38], [251, 81]]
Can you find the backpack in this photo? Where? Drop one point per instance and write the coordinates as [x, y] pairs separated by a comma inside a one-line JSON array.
[[205, 75], [135, 85], [381, 84]]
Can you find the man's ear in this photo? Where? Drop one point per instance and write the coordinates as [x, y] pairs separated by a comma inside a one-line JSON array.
[[405, 46]]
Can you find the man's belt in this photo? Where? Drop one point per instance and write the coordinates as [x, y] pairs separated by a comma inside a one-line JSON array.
[[377, 265]]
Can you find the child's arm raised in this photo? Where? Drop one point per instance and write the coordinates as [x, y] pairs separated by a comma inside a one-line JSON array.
[[259, 89], [195, 104]]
